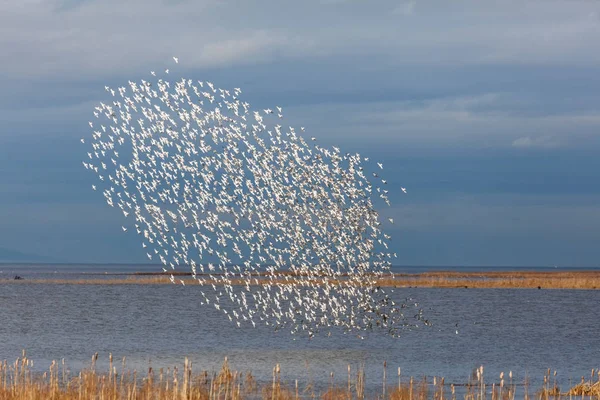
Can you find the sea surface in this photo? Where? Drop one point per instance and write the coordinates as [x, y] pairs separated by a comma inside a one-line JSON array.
[[520, 330]]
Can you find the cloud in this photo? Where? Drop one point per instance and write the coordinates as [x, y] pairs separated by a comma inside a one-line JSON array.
[[533, 142], [428, 80], [257, 46], [496, 230], [506, 213], [486, 120], [111, 37], [407, 8], [87, 38]]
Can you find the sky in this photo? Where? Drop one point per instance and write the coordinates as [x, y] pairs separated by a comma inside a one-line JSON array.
[[488, 112]]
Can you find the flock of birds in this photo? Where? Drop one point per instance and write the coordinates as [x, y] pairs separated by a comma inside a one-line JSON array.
[[289, 226]]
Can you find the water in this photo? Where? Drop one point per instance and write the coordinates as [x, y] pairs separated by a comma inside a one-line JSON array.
[[72, 271], [526, 331]]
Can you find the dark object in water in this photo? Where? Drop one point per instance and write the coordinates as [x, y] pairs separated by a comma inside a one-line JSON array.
[[17, 277]]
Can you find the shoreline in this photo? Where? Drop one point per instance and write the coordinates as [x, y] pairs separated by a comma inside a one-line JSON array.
[[582, 279]]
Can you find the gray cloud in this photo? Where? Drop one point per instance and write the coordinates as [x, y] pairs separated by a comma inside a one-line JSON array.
[[503, 229], [538, 141], [518, 214], [50, 38], [405, 8], [356, 67], [482, 120]]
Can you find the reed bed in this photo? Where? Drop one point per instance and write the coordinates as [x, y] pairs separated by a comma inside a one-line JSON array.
[[19, 381], [588, 280]]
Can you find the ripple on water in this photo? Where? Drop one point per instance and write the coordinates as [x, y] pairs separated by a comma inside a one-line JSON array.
[[526, 331]]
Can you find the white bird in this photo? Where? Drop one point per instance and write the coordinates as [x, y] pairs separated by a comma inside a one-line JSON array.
[[176, 60], [403, 189]]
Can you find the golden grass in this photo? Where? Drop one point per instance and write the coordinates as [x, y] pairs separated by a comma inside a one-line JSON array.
[[509, 279], [588, 280], [18, 381]]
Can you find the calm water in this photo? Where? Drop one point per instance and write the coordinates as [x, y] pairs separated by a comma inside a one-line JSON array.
[[526, 331]]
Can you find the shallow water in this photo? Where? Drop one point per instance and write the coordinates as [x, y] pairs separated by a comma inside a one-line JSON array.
[[526, 331]]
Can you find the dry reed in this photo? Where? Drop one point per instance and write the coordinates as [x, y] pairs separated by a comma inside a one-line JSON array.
[[18, 381], [444, 279]]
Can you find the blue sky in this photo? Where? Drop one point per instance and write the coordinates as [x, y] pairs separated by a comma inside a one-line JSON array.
[[487, 111]]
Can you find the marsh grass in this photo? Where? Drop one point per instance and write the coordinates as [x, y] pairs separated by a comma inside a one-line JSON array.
[[505, 279], [19, 381], [588, 280]]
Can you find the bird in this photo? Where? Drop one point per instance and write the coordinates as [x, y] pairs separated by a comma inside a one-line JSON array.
[[403, 189], [176, 60]]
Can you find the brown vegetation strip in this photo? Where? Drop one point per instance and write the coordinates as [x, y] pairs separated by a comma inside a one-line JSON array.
[[441, 279], [512, 279]]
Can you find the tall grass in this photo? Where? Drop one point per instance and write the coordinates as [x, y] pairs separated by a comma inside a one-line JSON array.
[[19, 381]]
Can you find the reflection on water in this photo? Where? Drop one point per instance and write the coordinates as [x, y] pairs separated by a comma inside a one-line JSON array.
[[526, 331]]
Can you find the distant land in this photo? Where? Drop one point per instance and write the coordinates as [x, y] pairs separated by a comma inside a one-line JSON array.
[[9, 255]]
